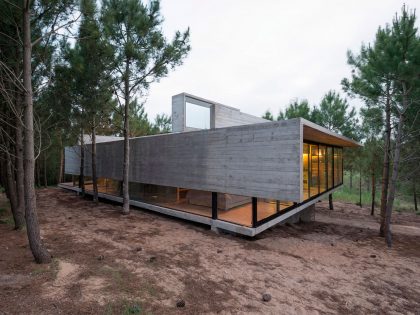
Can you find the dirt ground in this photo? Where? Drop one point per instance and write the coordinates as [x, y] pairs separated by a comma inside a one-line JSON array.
[[105, 263]]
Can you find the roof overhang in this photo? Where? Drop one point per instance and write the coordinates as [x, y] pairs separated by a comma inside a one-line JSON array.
[[315, 133]]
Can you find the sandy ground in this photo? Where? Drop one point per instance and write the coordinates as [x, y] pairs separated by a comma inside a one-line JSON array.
[[105, 263]]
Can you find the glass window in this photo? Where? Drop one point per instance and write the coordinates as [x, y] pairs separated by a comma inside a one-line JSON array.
[[322, 168], [305, 161], [105, 185], [269, 207], [197, 116], [234, 208], [330, 167], [314, 171], [336, 167], [340, 165], [189, 200]]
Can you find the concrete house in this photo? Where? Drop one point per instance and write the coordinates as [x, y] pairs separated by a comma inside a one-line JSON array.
[[221, 167]]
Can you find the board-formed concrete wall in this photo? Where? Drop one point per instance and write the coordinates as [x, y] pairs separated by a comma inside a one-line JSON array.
[[228, 116], [259, 160], [220, 115]]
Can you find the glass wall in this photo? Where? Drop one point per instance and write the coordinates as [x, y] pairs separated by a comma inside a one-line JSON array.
[[269, 207], [105, 186], [189, 200], [322, 168], [330, 167], [305, 161], [234, 208], [314, 170], [197, 116], [338, 166]]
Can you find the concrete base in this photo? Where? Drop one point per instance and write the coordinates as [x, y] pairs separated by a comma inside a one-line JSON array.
[[216, 230], [305, 212], [306, 215]]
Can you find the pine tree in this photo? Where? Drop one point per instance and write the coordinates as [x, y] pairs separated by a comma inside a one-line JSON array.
[[142, 56], [335, 114], [296, 109], [91, 58], [385, 75], [268, 115]]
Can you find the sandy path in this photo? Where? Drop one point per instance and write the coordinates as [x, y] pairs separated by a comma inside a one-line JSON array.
[[108, 263]]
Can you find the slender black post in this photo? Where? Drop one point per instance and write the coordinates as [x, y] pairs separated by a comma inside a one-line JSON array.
[[254, 212], [214, 205]]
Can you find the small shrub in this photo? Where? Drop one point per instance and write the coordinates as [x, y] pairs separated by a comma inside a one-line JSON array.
[[133, 309]]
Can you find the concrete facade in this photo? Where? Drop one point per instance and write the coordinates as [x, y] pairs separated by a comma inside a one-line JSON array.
[[259, 160], [220, 115], [239, 154]]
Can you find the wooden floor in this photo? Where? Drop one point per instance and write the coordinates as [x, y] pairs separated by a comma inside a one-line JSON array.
[[241, 215], [314, 191]]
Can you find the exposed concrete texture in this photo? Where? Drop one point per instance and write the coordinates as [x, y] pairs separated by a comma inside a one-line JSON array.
[[308, 215], [259, 160], [220, 115]]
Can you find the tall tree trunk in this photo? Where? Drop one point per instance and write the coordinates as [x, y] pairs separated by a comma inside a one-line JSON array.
[[18, 217], [38, 249], [415, 195], [17, 213], [94, 179], [38, 172], [360, 188], [45, 170], [20, 173], [330, 201], [61, 170], [82, 164], [372, 211], [386, 166], [351, 178], [126, 164], [395, 169]]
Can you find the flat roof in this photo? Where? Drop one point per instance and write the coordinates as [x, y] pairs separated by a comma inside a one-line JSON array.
[[316, 133], [311, 132]]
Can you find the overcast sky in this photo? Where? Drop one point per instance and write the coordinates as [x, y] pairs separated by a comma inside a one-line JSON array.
[[259, 55]]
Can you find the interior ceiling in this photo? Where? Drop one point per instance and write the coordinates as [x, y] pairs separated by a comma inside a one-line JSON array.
[[315, 135]]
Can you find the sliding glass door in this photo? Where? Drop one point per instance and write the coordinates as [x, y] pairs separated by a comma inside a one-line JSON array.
[[322, 168]]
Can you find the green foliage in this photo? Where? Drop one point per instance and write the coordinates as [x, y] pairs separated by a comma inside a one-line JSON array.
[[142, 55], [162, 124], [351, 195], [268, 115], [335, 114], [132, 309], [139, 123], [296, 109], [90, 60]]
